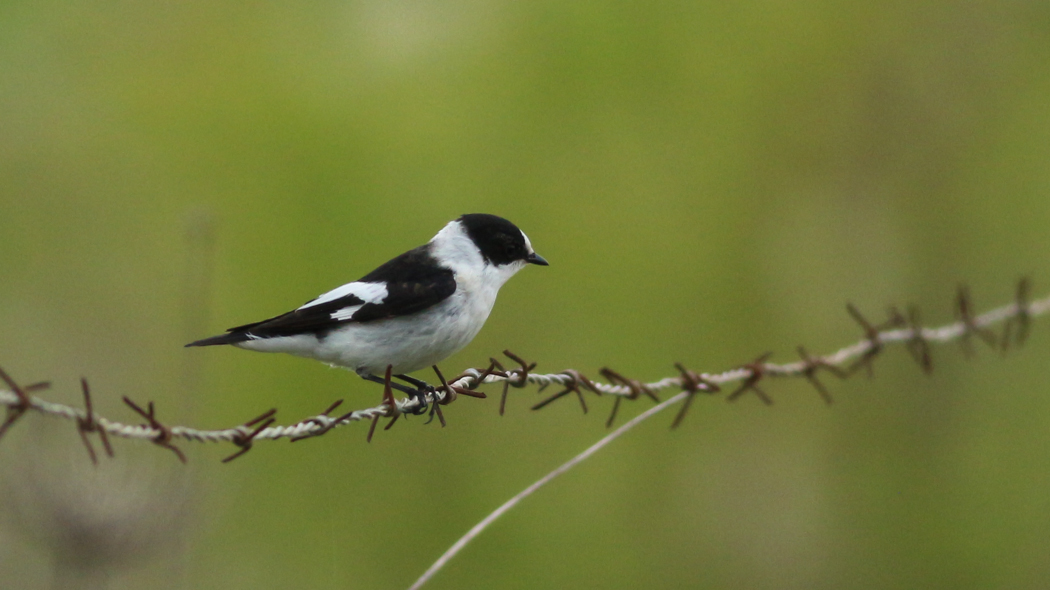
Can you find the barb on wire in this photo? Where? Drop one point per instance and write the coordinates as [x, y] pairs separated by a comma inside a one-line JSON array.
[[389, 405], [495, 368], [451, 397], [1016, 318], [576, 379], [322, 421], [244, 441], [917, 346], [809, 371], [692, 384], [22, 402], [635, 389], [873, 341], [87, 424], [513, 378], [164, 434], [756, 371], [964, 312], [1021, 317]]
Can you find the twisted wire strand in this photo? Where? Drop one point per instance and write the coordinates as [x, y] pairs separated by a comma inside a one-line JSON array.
[[472, 378]]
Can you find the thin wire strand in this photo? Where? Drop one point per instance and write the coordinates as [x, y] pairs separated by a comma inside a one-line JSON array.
[[488, 520]]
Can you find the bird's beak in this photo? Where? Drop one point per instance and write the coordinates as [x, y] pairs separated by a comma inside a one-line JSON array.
[[535, 258]]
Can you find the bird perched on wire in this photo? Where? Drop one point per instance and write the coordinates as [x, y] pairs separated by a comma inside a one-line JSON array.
[[408, 314]]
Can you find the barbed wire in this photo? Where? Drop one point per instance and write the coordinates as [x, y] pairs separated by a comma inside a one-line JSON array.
[[897, 329]]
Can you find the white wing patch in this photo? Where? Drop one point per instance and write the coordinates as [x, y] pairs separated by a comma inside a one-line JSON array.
[[367, 292], [345, 313]]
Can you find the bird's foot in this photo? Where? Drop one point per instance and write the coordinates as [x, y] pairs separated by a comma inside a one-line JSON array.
[[420, 395], [419, 392]]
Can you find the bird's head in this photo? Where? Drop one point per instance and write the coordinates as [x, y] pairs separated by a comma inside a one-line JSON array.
[[500, 241], [490, 240]]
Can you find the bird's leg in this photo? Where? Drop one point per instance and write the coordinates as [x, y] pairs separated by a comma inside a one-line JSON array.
[[388, 392], [417, 394], [393, 384], [420, 384]]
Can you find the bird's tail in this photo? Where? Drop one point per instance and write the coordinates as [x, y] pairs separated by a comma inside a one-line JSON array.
[[227, 338]]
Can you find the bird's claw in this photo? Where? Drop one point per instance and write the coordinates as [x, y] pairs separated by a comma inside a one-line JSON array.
[[421, 400]]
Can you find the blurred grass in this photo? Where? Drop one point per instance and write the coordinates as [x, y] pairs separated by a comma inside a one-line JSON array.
[[708, 181]]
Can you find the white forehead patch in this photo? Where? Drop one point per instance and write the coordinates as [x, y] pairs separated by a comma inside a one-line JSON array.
[[528, 244], [367, 292]]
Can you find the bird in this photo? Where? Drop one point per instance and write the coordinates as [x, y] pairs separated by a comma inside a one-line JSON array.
[[410, 313]]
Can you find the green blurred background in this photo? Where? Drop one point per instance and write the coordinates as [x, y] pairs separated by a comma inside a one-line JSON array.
[[709, 181]]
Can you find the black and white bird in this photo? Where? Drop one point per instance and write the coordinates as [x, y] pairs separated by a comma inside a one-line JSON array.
[[408, 314]]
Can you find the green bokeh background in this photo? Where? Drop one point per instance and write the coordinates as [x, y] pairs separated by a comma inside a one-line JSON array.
[[709, 181]]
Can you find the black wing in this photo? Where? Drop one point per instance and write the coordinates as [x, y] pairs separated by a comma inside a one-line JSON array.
[[414, 282]]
